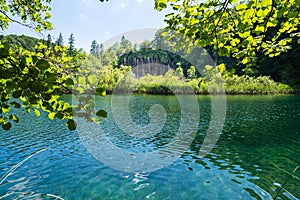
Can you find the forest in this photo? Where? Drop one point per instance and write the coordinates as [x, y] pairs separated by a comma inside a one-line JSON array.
[[121, 59]]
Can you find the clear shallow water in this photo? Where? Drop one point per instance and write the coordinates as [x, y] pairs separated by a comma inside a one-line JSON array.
[[260, 141]]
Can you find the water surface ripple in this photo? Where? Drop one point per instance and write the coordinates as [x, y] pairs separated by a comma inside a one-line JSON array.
[[258, 147]]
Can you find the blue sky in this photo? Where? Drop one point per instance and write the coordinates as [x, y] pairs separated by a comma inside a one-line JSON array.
[[91, 19]]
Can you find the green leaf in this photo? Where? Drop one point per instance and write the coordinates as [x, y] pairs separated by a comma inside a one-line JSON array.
[[28, 60], [69, 81], [101, 91], [17, 94], [239, 54], [79, 90], [244, 34], [245, 60], [51, 115], [4, 50], [71, 124], [265, 3], [47, 15], [59, 115], [160, 4], [37, 112], [23, 98], [101, 113], [241, 6], [6, 126], [65, 106], [12, 85], [261, 13], [5, 108], [92, 79], [28, 109], [15, 104], [260, 28], [82, 80], [34, 71], [249, 13], [221, 68], [234, 1], [14, 118], [42, 64]]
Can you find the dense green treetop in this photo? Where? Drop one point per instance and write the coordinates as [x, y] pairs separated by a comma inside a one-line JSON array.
[[26, 42], [33, 14], [49, 40], [71, 44], [241, 29], [95, 48], [60, 40], [34, 80]]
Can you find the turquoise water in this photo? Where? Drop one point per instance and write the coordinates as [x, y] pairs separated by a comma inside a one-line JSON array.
[[258, 147]]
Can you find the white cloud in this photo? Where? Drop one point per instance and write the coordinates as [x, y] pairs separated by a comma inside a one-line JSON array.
[[123, 5], [82, 16], [107, 32], [139, 1]]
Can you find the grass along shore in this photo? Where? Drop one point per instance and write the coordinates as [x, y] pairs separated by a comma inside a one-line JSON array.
[[215, 81]]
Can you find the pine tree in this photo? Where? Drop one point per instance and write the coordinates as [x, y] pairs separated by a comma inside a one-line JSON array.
[[124, 47], [94, 47], [71, 44], [60, 41], [49, 40], [97, 51], [123, 39], [101, 51]]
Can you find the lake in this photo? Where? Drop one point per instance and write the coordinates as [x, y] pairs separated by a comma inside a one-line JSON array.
[[258, 149]]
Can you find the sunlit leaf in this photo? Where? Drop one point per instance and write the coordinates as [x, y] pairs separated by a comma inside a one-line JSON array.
[[101, 91], [51, 115], [37, 112], [14, 118], [160, 4], [92, 79], [81, 80]]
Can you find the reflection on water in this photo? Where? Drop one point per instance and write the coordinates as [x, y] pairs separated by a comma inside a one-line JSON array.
[[258, 146]]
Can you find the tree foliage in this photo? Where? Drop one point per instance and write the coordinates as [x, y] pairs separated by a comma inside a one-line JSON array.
[[71, 44], [26, 42], [49, 40], [95, 48], [33, 14], [242, 29], [174, 81], [60, 40], [34, 79]]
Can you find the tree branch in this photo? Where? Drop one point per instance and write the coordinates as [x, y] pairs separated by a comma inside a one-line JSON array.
[[16, 21], [224, 7], [268, 17]]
